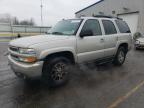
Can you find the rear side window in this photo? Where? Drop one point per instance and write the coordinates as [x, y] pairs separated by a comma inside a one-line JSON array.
[[93, 25], [123, 27], [109, 27]]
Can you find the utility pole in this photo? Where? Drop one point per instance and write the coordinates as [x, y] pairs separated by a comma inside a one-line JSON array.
[[41, 6], [11, 25]]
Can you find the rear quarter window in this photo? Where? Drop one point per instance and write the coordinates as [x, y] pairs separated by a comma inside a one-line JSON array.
[[123, 27]]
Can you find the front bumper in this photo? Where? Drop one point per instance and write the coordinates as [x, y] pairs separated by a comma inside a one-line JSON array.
[[26, 70]]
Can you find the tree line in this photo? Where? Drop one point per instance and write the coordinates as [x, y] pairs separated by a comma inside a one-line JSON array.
[[6, 18], [16, 21]]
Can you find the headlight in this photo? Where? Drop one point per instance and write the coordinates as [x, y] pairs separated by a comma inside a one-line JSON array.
[[27, 51], [31, 55]]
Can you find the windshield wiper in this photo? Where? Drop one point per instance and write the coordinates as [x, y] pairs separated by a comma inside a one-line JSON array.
[[57, 33]]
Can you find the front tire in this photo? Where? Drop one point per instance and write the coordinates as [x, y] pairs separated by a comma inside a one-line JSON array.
[[56, 71], [120, 56]]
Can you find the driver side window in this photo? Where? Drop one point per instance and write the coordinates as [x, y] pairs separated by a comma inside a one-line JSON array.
[[92, 25]]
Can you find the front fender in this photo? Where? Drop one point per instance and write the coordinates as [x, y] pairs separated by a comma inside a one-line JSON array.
[[47, 52]]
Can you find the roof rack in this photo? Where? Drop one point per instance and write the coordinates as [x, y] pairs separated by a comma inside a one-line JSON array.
[[106, 16]]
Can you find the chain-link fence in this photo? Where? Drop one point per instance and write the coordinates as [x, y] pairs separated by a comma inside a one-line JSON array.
[[7, 26], [4, 27]]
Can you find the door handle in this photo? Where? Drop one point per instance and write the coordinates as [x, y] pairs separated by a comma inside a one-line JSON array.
[[102, 40]]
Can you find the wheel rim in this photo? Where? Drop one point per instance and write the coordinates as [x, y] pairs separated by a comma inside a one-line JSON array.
[[59, 71], [121, 56]]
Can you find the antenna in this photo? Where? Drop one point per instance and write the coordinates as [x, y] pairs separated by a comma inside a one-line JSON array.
[[41, 6]]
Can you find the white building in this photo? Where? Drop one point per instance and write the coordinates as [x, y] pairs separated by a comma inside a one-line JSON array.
[[132, 11]]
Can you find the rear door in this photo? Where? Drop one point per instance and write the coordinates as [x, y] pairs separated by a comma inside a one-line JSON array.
[[110, 38]]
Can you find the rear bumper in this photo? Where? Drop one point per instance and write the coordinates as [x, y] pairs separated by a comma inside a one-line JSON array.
[[139, 46], [26, 70]]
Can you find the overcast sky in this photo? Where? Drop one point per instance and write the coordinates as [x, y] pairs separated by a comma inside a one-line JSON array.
[[53, 11]]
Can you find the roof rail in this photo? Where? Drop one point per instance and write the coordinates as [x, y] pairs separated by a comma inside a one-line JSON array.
[[106, 16]]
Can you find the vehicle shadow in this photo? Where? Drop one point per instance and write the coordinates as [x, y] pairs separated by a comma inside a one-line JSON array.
[[92, 75]]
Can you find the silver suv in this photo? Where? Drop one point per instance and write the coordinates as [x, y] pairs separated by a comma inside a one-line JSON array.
[[71, 41]]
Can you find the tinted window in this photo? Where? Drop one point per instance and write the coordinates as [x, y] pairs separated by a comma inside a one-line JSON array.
[[92, 25], [123, 27], [109, 27]]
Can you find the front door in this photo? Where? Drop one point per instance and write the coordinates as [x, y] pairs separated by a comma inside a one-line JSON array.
[[90, 47]]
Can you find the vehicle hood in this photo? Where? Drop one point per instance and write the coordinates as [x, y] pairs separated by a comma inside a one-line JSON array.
[[28, 41], [141, 39]]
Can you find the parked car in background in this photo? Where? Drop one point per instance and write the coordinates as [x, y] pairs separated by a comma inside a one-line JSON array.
[[72, 41], [139, 43]]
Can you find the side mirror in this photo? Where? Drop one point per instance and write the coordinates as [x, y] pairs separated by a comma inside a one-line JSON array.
[[86, 33]]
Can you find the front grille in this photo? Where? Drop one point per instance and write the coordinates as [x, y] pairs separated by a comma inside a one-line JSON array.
[[15, 57], [15, 49]]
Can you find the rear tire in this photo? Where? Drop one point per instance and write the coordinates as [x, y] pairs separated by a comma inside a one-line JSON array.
[[56, 71], [120, 57]]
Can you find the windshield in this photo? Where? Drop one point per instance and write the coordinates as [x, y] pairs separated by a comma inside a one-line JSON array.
[[66, 27]]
